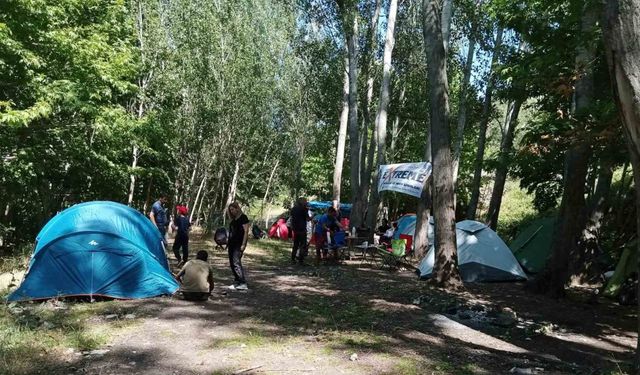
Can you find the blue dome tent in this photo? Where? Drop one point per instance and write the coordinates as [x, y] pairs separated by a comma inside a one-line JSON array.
[[97, 249]]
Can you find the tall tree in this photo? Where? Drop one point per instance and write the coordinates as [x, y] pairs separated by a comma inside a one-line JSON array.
[[368, 152], [506, 148], [622, 43], [446, 259], [484, 123], [570, 217], [447, 16], [381, 115], [342, 134], [463, 97], [350, 25]]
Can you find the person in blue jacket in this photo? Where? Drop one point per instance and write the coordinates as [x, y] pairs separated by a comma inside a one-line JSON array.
[[158, 216]]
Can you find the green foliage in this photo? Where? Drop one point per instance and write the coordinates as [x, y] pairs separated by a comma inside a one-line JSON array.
[[539, 163], [69, 73], [517, 208]]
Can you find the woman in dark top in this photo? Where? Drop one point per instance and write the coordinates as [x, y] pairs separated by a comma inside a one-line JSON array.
[[238, 235], [181, 224]]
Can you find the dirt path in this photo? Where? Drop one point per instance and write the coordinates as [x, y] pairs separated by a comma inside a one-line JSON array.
[[356, 319]]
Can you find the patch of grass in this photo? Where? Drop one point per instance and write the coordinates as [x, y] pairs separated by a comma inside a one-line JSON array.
[[408, 366], [444, 366], [251, 340], [471, 369], [325, 314], [358, 341], [35, 336], [417, 366]]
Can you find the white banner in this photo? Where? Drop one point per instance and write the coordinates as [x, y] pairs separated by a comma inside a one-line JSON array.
[[407, 178]]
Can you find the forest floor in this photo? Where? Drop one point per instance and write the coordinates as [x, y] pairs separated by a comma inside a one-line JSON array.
[[351, 318]]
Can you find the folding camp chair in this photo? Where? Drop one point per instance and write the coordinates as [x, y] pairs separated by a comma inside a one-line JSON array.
[[394, 257]]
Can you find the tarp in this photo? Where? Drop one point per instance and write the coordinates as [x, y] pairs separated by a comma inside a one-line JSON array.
[[532, 246], [345, 208], [407, 178], [97, 249], [482, 256]]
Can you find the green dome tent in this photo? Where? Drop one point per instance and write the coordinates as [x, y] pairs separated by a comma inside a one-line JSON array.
[[532, 246]]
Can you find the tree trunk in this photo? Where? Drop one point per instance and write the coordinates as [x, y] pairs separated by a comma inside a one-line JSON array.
[[446, 260], [555, 275], [197, 223], [584, 262], [381, 115], [147, 200], [620, 198], [447, 15], [143, 82], [195, 202], [583, 267], [266, 192], [366, 174], [192, 181], [622, 43], [367, 153], [421, 234], [232, 189], [482, 138], [354, 139], [342, 135], [132, 176], [504, 159], [463, 100], [299, 166], [395, 127], [571, 217]]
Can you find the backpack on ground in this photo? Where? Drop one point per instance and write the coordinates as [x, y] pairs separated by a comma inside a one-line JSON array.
[[221, 237], [257, 232]]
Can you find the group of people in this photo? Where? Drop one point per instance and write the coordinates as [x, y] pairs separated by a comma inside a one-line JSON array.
[[305, 228], [196, 276]]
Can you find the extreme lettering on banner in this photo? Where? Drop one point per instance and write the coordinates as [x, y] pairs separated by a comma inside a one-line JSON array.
[[407, 178]]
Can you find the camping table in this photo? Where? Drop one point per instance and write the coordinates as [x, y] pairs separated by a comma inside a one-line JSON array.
[[351, 243], [366, 249]]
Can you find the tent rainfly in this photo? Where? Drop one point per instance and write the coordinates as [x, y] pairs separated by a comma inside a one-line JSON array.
[[97, 249], [482, 256], [532, 246]]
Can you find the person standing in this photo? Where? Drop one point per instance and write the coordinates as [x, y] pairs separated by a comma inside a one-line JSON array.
[[196, 278], [299, 219], [238, 236], [327, 223], [182, 225], [158, 216]]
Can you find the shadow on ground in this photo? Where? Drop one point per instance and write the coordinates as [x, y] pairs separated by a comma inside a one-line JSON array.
[[315, 319]]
